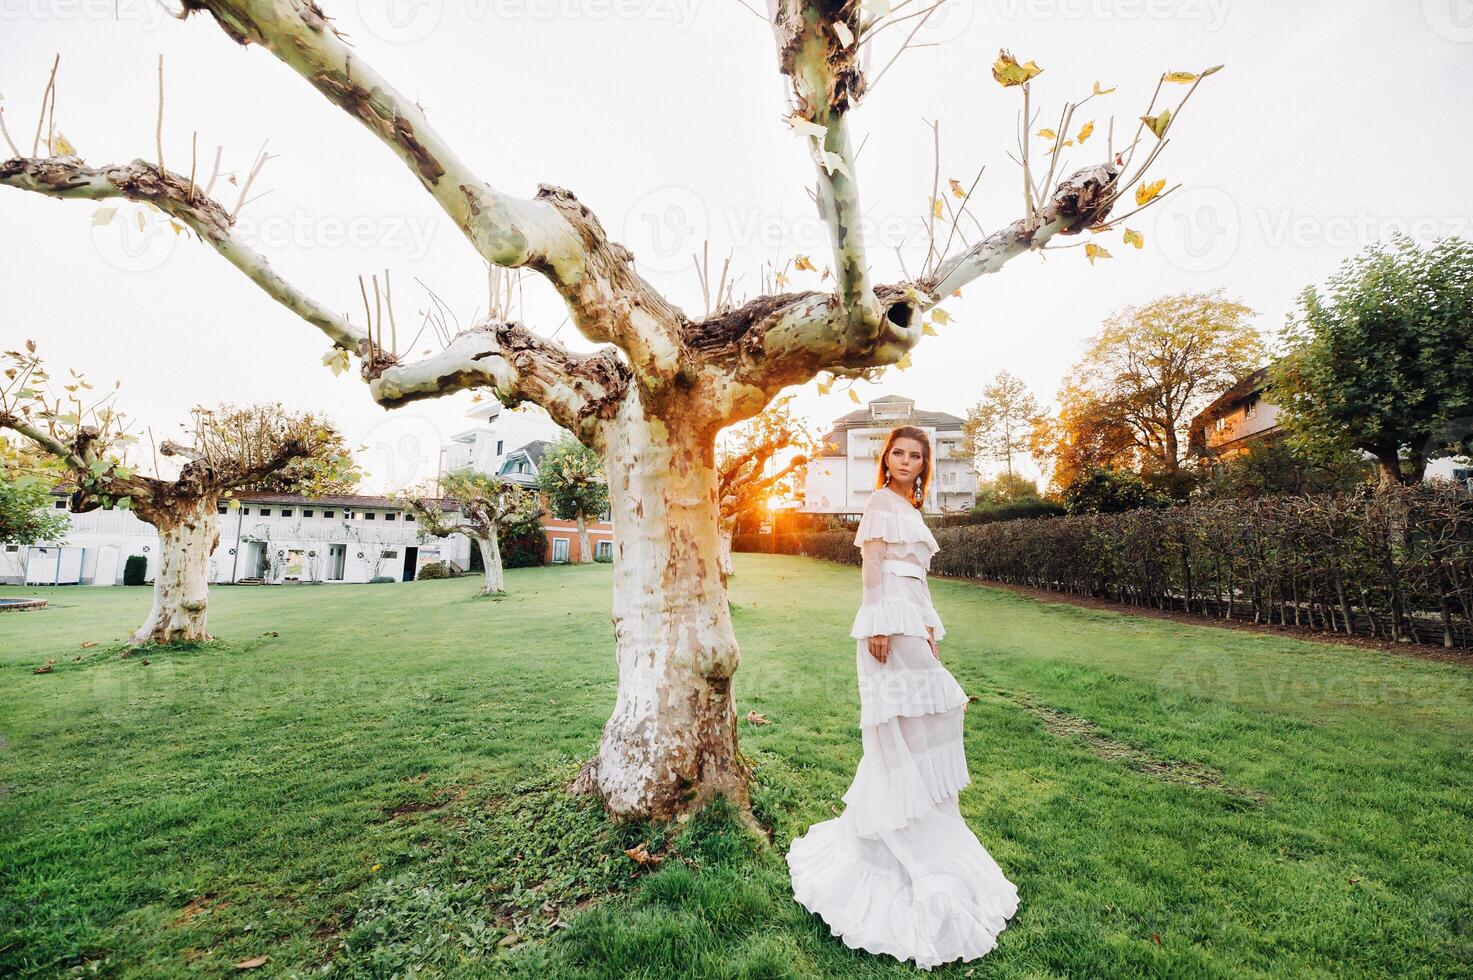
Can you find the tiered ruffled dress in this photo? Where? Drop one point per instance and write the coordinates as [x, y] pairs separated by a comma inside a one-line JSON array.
[[899, 871]]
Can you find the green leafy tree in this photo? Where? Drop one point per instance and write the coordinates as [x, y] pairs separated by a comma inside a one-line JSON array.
[[572, 477], [1383, 362], [26, 513]]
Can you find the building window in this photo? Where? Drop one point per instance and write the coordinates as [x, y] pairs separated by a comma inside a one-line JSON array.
[[560, 549], [307, 513], [408, 518], [60, 505], [368, 515], [1221, 424], [265, 512], [12, 548], [388, 517], [391, 554], [499, 444], [286, 512], [328, 513], [1463, 473], [1250, 408], [221, 508], [604, 549]]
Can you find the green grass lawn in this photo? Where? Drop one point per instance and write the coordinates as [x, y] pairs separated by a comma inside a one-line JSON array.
[[367, 780]]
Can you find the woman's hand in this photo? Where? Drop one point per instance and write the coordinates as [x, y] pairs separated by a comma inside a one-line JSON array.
[[879, 647], [931, 639]]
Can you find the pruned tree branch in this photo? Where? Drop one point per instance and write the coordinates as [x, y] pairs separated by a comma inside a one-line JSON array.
[[552, 232], [818, 44]]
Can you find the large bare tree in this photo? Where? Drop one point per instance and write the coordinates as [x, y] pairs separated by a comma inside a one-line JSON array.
[[652, 398]]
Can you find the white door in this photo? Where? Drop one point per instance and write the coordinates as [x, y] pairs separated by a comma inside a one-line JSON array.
[[107, 566], [559, 549]]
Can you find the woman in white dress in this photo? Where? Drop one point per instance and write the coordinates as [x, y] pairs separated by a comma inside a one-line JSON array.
[[899, 871]]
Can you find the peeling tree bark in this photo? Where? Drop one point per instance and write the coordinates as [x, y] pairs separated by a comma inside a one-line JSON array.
[[671, 742], [188, 535], [495, 581]]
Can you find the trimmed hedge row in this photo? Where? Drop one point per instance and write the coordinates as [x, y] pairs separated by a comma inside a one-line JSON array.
[[1393, 564]]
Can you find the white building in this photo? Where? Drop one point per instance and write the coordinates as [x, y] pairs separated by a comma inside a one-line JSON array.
[[269, 537], [841, 479], [501, 432]]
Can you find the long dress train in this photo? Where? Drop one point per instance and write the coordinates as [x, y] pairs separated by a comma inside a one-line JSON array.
[[899, 871]]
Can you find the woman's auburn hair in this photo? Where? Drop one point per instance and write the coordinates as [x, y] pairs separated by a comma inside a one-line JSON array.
[[919, 435]]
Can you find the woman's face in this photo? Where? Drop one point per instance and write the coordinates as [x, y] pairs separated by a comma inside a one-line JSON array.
[[906, 459]]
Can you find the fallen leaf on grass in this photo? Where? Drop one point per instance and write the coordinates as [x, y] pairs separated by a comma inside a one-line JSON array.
[[641, 856], [89, 644], [252, 963], [45, 669], [756, 719], [271, 633]]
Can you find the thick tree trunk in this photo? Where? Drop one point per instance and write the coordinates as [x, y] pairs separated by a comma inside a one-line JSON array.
[[585, 554], [671, 742], [495, 583], [188, 535]]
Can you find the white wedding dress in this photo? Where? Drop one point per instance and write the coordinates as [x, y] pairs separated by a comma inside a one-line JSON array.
[[899, 871]]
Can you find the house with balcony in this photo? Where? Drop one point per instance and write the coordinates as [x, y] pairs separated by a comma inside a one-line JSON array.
[[841, 477], [272, 538], [1243, 416]]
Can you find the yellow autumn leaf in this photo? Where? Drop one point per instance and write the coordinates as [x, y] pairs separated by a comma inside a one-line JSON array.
[[804, 264], [1135, 238], [1181, 77], [1009, 73], [1102, 91], [1093, 251], [940, 316], [1047, 134], [904, 361], [782, 280], [62, 147], [956, 189], [1158, 124], [853, 396], [927, 330], [1213, 70], [1086, 131], [936, 210], [1059, 146], [824, 386], [1146, 193]]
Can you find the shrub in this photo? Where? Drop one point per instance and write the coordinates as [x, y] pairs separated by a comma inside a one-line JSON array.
[[135, 570], [438, 569], [382, 580]]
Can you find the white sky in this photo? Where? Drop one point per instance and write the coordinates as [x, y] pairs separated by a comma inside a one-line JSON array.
[[1335, 122]]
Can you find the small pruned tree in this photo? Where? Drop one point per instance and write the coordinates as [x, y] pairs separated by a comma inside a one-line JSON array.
[[661, 382], [224, 449], [484, 505], [1383, 363], [572, 478], [746, 480]]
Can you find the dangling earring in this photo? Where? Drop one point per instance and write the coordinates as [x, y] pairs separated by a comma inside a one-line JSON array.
[[887, 478], [916, 493]]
